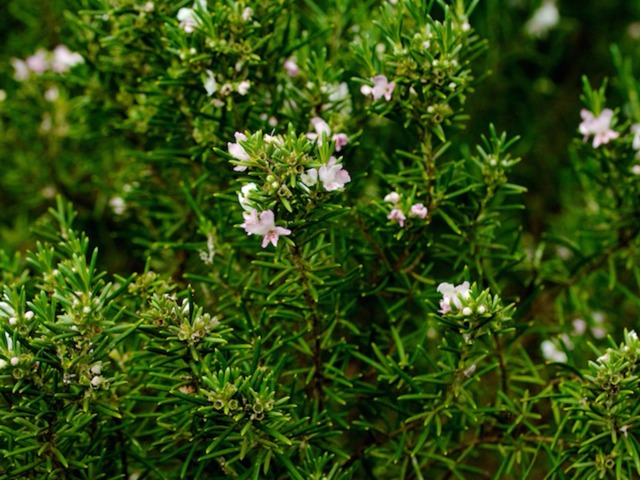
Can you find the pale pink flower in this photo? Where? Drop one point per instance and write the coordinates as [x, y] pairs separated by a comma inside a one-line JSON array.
[[291, 68], [419, 210], [381, 88], [393, 197], [455, 294], [237, 151], [333, 176], [21, 69], [599, 127], [250, 216], [38, 62], [264, 225], [397, 215], [341, 140], [64, 59], [321, 128]]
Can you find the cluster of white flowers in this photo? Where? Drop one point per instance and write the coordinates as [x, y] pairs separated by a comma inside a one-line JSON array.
[[453, 296], [416, 210], [599, 127], [60, 60], [322, 129], [331, 176], [211, 87], [189, 17]]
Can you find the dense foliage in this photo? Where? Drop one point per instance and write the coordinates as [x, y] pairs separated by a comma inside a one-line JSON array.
[[289, 239]]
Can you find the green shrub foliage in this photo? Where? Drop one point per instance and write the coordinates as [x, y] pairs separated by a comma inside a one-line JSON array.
[[283, 239]]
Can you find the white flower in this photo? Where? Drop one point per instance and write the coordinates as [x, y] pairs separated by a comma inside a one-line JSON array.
[[247, 13], [243, 195], [243, 87], [455, 294], [51, 94], [579, 325], [544, 19], [337, 93], [551, 352], [188, 17], [599, 127], [237, 151], [21, 69], [333, 176], [393, 197], [604, 358], [310, 178], [118, 205], [635, 128], [38, 62], [381, 88], [64, 59], [291, 68], [210, 84], [96, 381], [321, 128]]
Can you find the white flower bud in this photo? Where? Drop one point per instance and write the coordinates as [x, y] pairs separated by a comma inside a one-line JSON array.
[[14, 361], [467, 311]]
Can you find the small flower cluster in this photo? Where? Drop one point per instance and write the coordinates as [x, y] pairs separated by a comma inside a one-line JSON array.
[[212, 87], [192, 332], [60, 60], [189, 17], [598, 126], [471, 314], [322, 129], [397, 214], [281, 163], [616, 365]]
